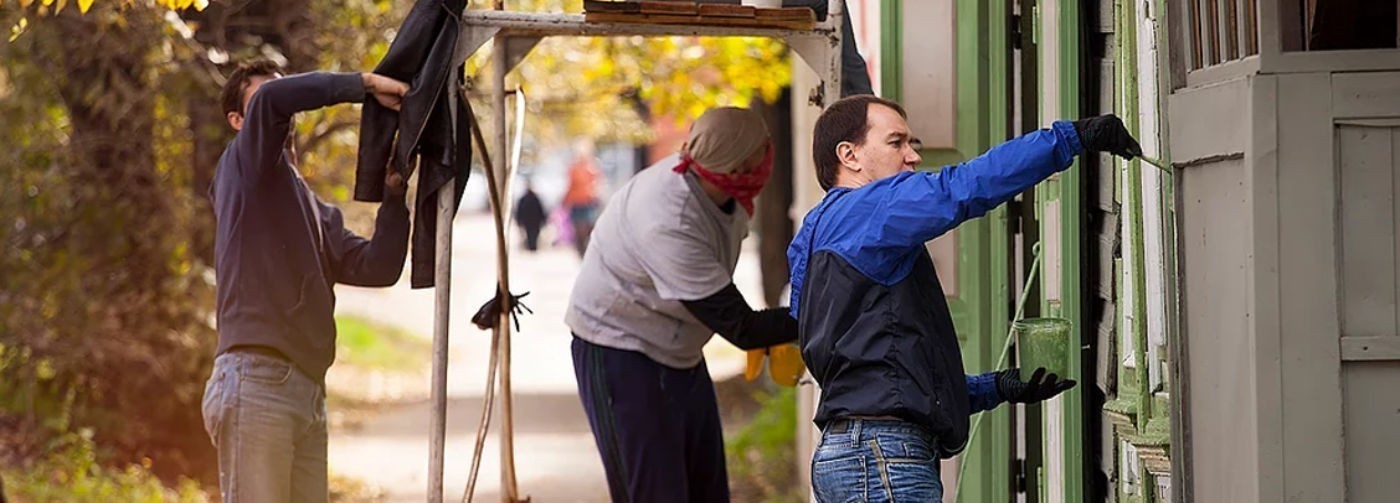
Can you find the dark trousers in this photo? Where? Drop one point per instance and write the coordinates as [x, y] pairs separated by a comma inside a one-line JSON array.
[[532, 237], [657, 428]]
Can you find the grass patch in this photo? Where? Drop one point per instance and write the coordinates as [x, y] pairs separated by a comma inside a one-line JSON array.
[[71, 473], [762, 456], [372, 345]]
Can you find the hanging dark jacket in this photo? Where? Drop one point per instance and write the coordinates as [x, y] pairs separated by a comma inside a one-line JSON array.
[[421, 55]]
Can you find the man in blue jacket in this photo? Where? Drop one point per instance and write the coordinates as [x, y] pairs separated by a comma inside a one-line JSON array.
[[874, 324], [278, 252]]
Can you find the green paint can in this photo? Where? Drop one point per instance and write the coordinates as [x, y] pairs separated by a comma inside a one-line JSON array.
[[1044, 342]]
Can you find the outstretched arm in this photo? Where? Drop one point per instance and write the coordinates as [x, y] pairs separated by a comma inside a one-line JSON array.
[[917, 207]]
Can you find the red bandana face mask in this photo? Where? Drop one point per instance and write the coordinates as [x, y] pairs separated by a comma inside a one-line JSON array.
[[743, 187]]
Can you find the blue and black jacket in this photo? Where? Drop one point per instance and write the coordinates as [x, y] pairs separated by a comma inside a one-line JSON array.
[[873, 321]]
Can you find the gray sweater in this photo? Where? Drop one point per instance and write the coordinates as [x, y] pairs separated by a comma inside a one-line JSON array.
[[279, 249]]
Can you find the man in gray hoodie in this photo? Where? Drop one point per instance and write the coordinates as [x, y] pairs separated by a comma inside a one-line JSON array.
[[278, 252]]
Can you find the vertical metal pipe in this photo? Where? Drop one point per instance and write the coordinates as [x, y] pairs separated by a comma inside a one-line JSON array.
[[831, 82], [499, 67], [442, 288]]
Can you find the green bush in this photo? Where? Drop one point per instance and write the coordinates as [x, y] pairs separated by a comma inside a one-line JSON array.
[[71, 473], [762, 456]]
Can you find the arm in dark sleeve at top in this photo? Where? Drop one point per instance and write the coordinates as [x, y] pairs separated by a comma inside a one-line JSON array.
[[854, 76], [269, 115], [982, 394], [729, 315], [368, 262], [916, 207]]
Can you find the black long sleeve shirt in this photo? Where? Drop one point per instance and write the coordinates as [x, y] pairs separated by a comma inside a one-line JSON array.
[[278, 248], [729, 315]]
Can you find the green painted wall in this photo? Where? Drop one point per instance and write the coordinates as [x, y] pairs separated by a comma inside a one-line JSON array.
[[981, 309]]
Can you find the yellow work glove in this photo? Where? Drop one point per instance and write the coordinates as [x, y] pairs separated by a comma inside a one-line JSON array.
[[785, 365], [755, 365]]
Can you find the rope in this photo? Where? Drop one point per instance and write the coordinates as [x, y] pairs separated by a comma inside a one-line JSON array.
[[489, 399], [502, 329]]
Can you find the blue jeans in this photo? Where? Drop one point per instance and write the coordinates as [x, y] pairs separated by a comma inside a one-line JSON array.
[[862, 460], [268, 421]]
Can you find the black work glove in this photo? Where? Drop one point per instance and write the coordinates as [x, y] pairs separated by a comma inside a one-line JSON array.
[[1106, 133], [486, 317], [1040, 388]]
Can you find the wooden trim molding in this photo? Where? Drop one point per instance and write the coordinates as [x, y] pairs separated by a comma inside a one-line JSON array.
[[1382, 348]]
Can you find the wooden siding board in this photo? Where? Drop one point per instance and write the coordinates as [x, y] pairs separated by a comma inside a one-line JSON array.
[[1215, 254], [1364, 95], [1310, 360], [1215, 290], [1378, 348], [1367, 208], [1372, 413]]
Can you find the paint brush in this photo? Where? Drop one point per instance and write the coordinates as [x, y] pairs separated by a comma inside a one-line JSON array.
[[1156, 162]]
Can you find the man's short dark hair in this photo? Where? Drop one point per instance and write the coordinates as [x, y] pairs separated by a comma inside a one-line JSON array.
[[232, 95], [845, 120]]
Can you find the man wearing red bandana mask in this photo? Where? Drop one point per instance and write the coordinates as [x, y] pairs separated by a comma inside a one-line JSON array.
[[656, 285]]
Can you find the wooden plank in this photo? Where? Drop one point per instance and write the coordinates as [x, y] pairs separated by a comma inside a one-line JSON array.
[[1212, 27], [1215, 287], [1232, 30], [1178, 43], [1265, 324], [786, 13], [1229, 70], [1366, 95], [714, 21], [1227, 113], [1377, 348], [1367, 206], [1307, 288], [1197, 53], [1395, 222], [721, 10], [1251, 25], [1373, 430], [603, 6], [670, 8]]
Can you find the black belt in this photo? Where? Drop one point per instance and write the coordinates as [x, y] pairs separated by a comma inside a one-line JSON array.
[[843, 424]]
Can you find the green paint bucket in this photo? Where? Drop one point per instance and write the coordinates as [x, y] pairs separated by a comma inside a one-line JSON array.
[[1043, 342]]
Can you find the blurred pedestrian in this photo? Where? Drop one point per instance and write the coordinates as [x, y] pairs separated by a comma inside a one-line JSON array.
[[530, 215], [581, 199]]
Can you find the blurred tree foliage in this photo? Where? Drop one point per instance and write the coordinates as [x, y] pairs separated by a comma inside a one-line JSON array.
[[607, 88], [103, 308], [110, 133]]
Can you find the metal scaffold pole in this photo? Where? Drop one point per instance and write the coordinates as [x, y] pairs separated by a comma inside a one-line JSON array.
[[514, 35]]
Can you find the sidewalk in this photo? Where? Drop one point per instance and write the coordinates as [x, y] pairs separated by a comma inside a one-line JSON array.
[[556, 459]]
